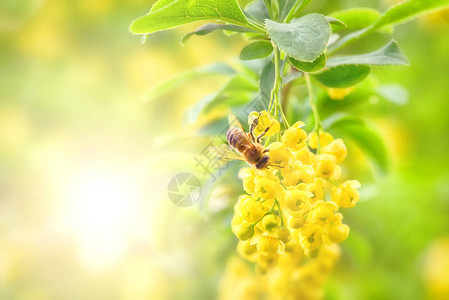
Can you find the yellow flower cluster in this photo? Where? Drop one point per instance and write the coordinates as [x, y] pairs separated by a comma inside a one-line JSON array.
[[289, 223]]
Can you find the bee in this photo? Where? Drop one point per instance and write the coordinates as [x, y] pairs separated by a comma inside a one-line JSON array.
[[245, 146]]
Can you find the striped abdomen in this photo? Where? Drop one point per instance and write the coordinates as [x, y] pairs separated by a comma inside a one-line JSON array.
[[237, 139]]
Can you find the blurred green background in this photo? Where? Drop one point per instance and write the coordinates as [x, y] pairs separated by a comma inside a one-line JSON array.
[[85, 161]]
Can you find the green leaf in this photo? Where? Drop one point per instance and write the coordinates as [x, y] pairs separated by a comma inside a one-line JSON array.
[[266, 81], [257, 10], [296, 9], [315, 66], [210, 27], [236, 91], [284, 8], [336, 21], [358, 17], [166, 14], [343, 76], [408, 10], [396, 14], [364, 135], [156, 91], [303, 39], [256, 50], [390, 54]]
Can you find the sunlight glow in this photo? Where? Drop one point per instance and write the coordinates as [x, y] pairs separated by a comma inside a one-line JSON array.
[[102, 208]]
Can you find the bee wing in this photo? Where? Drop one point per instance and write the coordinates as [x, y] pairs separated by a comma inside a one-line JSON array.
[[234, 122], [224, 151]]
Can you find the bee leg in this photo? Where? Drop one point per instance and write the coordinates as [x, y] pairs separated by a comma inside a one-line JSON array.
[[262, 134], [266, 150], [252, 126]]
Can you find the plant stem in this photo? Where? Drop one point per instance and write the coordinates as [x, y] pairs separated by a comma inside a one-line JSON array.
[[316, 116], [275, 104], [277, 79], [280, 212]]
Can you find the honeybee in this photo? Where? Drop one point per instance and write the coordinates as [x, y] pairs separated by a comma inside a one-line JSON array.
[[245, 146]]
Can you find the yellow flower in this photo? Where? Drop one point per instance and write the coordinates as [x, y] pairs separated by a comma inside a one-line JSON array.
[[317, 189], [251, 210], [283, 234], [264, 121], [323, 212], [268, 244], [236, 221], [244, 231], [295, 137], [326, 167], [296, 199], [298, 173], [245, 249], [248, 175], [336, 148], [270, 222], [266, 188], [339, 94], [346, 195], [296, 221], [338, 233], [325, 139], [279, 155], [305, 156], [311, 236]]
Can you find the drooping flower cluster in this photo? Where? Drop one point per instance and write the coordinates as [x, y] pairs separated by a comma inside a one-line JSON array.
[[288, 222]]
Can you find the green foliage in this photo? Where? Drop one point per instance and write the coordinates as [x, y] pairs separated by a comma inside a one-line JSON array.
[[210, 27], [301, 45], [304, 39], [399, 13], [343, 76], [257, 11], [259, 49], [390, 54], [284, 8], [356, 18], [166, 14], [156, 91], [235, 92], [315, 66], [364, 135]]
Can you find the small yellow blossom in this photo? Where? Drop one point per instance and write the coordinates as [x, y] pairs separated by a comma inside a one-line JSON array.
[[270, 222], [248, 175], [325, 139], [294, 137], [265, 120], [244, 231], [338, 233], [305, 156], [251, 210], [339, 93], [323, 212], [336, 148], [311, 236], [346, 195], [296, 199], [297, 173], [279, 155], [317, 189], [268, 244], [326, 166]]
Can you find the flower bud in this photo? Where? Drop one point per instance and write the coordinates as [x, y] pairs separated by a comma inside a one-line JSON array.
[[339, 233], [244, 231]]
